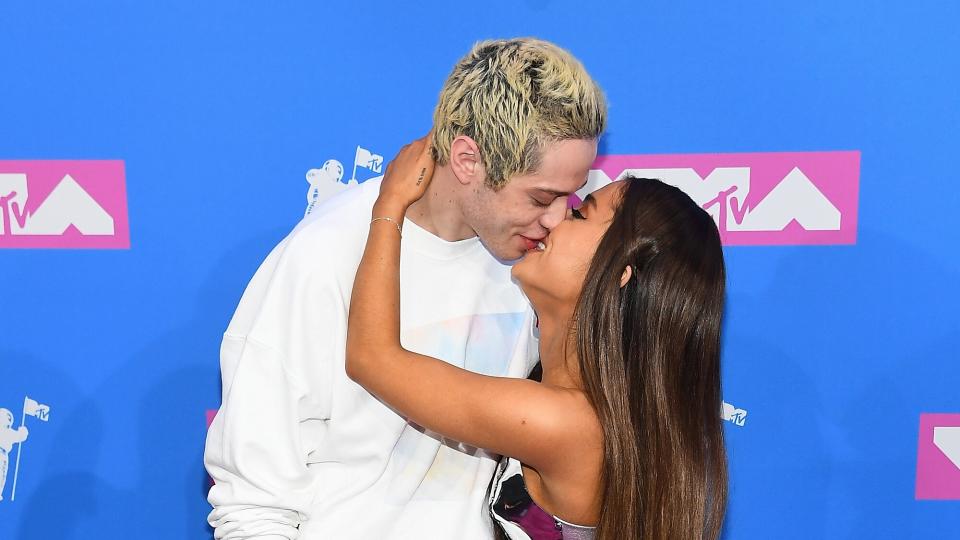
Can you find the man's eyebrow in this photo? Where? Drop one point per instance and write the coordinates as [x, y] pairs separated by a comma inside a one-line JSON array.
[[552, 192]]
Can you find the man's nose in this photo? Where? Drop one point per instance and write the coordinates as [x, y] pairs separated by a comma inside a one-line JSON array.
[[555, 213]]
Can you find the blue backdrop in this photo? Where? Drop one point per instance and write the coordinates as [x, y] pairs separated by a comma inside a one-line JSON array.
[[218, 109]]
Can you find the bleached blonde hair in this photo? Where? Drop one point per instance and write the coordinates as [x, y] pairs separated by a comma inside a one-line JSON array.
[[512, 96]]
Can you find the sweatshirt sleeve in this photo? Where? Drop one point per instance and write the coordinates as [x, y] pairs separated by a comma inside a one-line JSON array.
[[275, 362]]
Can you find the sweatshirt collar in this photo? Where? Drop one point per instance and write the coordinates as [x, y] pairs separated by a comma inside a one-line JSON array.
[[423, 241]]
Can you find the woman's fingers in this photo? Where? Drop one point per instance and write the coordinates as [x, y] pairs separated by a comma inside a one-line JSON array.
[[409, 173]]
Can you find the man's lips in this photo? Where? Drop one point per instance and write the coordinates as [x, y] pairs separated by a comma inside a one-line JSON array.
[[529, 243]]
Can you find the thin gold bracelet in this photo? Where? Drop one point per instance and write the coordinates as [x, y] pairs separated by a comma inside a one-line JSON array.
[[391, 220]]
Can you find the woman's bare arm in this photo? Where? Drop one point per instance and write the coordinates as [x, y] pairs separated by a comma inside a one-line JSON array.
[[514, 417]]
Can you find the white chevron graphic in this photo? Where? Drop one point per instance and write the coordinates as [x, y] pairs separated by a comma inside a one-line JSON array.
[[947, 439], [723, 194]]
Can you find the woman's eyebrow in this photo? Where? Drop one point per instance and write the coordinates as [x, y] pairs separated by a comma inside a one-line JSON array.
[[590, 201]]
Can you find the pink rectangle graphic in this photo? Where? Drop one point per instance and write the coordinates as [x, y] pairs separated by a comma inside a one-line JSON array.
[[771, 198], [67, 204], [938, 457], [211, 414]]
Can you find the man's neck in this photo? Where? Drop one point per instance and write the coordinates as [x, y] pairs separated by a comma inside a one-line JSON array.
[[438, 210]]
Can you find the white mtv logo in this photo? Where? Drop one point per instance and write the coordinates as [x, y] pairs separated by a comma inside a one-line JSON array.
[[724, 191], [730, 413], [67, 205]]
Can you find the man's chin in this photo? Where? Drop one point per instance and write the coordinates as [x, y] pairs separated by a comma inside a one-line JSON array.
[[512, 259], [506, 252], [508, 255]]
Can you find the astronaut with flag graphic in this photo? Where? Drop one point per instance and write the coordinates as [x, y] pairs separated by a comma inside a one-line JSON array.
[[8, 438]]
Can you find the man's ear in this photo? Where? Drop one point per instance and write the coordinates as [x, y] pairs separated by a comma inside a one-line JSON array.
[[465, 160], [625, 277]]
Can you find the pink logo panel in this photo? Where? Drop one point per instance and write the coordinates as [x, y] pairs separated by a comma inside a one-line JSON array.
[[63, 204], [775, 198], [211, 414], [938, 457]]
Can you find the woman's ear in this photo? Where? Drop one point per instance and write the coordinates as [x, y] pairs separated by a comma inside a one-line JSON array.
[[465, 160], [625, 277]]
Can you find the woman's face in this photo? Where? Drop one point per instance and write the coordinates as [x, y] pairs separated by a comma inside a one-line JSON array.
[[554, 275]]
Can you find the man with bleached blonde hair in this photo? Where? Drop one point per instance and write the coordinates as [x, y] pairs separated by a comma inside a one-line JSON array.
[[515, 132], [298, 450]]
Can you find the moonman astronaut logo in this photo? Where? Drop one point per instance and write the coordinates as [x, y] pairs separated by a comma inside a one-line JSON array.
[[776, 198], [327, 181], [10, 436], [63, 204], [324, 182]]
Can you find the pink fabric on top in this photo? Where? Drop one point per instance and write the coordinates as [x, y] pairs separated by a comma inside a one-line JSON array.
[[538, 524]]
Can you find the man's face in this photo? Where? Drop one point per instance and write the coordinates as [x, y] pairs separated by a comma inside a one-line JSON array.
[[512, 221]]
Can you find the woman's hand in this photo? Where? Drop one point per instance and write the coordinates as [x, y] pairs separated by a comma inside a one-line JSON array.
[[407, 176]]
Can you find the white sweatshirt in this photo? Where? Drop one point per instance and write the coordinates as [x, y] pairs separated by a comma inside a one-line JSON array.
[[297, 449]]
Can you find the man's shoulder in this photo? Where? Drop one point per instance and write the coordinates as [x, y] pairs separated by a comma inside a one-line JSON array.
[[336, 227], [326, 246], [348, 207]]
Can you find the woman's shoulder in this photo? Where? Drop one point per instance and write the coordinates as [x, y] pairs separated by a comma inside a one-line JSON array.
[[579, 412], [573, 426], [568, 482]]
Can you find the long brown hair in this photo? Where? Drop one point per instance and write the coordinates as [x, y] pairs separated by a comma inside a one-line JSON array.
[[650, 363]]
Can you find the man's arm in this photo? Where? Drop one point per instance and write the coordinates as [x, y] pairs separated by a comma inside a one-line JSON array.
[[275, 364], [261, 485]]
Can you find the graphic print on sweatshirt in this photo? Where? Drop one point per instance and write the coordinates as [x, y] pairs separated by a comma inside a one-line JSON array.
[[489, 350]]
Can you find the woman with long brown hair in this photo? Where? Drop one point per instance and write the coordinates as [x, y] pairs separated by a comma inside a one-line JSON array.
[[622, 437]]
